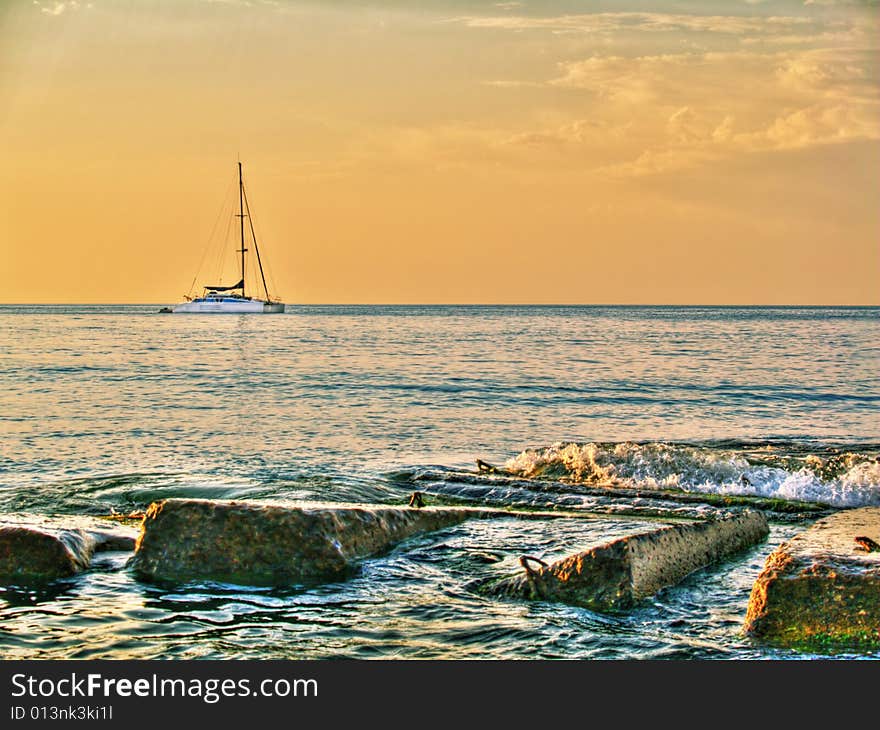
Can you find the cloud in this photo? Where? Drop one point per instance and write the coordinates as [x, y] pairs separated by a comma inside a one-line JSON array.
[[695, 140], [685, 126], [59, 7], [742, 75], [662, 113], [659, 114], [620, 79], [816, 125], [646, 22], [865, 3], [276, 4], [581, 132], [730, 79], [833, 74]]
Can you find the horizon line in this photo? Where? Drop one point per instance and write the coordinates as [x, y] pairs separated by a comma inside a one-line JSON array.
[[456, 304]]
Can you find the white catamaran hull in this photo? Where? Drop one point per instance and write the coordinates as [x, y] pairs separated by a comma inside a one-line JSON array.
[[242, 307]]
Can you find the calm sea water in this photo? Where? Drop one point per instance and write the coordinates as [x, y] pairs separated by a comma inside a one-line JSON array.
[[111, 407]]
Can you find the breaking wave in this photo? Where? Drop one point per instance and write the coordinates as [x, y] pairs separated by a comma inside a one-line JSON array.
[[834, 476]]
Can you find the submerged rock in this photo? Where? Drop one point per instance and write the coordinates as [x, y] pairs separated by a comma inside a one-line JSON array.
[[618, 574], [265, 544], [821, 588], [33, 554]]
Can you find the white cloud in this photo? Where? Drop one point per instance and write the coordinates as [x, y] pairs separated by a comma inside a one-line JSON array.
[[685, 126], [624, 80], [692, 141], [833, 74], [815, 125], [58, 7], [690, 109], [581, 132], [648, 22], [867, 3], [512, 83]]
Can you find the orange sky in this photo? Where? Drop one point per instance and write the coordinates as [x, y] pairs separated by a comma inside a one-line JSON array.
[[445, 151]]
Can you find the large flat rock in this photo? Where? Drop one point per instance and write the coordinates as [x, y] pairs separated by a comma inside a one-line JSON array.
[[271, 544], [819, 588], [618, 574]]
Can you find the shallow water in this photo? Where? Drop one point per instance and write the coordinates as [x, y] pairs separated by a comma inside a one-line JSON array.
[[113, 407]]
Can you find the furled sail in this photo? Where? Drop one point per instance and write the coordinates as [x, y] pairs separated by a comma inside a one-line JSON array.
[[226, 288]]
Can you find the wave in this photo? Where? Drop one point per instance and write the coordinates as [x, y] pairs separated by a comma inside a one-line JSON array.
[[133, 492], [828, 475]]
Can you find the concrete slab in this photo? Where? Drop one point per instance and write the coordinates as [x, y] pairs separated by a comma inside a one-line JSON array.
[[271, 544], [821, 587], [618, 574]]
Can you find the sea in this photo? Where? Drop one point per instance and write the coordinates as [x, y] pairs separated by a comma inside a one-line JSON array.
[[105, 409]]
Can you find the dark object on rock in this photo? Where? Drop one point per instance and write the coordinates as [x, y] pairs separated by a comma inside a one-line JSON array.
[[867, 545], [815, 591], [417, 500], [265, 544], [31, 554], [166, 310], [618, 574], [526, 559], [485, 466]]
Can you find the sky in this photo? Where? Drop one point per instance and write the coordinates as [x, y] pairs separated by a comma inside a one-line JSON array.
[[443, 151]]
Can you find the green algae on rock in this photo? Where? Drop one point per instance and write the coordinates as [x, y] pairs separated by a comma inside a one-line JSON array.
[[819, 589]]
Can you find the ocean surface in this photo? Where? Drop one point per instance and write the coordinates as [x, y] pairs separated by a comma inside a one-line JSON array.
[[108, 408]]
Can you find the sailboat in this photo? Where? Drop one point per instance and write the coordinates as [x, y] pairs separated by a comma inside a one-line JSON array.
[[234, 299]]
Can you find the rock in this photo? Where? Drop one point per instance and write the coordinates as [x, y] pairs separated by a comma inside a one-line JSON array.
[[265, 544], [819, 589], [618, 574], [29, 554], [36, 548]]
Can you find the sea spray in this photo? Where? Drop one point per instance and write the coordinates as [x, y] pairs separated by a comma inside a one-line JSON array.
[[840, 479]]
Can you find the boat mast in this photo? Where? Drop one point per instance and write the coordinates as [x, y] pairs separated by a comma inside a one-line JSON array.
[[256, 245], [241, 217]]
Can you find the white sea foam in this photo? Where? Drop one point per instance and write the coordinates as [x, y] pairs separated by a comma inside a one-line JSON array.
[[840, 480]]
